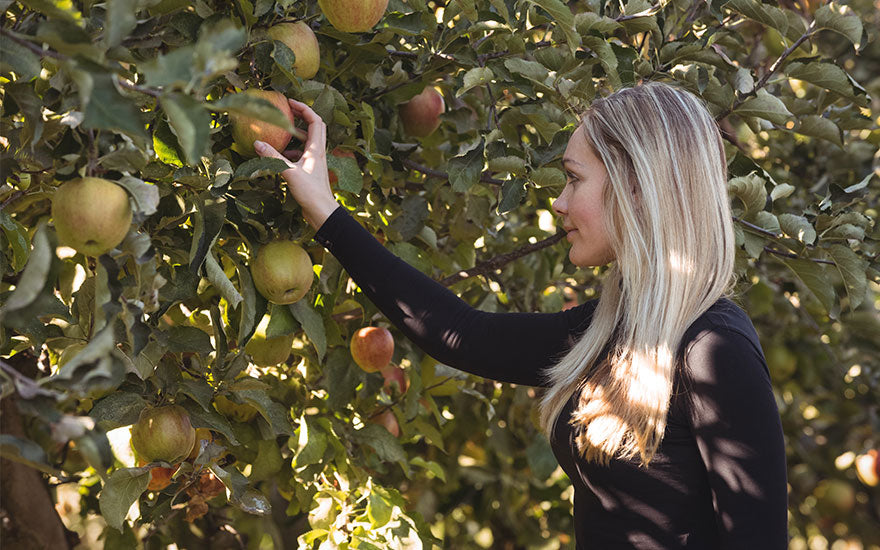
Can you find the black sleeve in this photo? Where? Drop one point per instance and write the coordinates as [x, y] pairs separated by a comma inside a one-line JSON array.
[[739, 434], [508, 347]]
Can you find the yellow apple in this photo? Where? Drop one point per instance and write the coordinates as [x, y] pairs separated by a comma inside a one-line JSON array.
[[92, 215]]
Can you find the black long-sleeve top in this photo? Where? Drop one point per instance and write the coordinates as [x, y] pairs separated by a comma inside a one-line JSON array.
[[718, 479]]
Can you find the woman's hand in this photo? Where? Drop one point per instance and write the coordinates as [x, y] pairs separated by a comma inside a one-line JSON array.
[[307, 178]]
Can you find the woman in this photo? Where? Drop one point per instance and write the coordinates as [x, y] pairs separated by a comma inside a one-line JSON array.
[[658, 401]]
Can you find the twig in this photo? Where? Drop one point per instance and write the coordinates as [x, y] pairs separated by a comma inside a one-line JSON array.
[[485, 177], [488, 266], [773, 68]]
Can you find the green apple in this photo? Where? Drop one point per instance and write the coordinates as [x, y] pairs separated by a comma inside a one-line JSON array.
[[163, 433], [302, 41], [246, 130], [353, 15], [92, 215], [282, 272], [268, 352]]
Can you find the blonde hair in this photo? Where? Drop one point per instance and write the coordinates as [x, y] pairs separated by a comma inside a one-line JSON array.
[[669, 224]]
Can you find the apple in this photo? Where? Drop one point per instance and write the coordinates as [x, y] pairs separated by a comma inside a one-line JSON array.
[[268, 352], [301, 40], [245, 130], [868, 468], [92, 215], [388, 421], [163, 433], [160, 477], [421, 114], [282, 272], [372, 348], [394, 375], [244, 412], [353, 15], [337, 152]]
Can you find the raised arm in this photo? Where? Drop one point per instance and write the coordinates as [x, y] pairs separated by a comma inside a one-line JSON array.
[[739, 435], [510, 347]]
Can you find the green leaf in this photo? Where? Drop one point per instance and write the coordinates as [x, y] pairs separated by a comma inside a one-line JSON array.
[[199, 390], [465, 170], [221, 282], [541, 460], [120, 491], [475, 77], [431, 466], [797, 227], [34, 276], [509, 164], [813, 276], [512, 193], [17, 237], [117, 409], [259, 167], [145, 195], [275, 414], [547, 177], [104, 107], [241, 495], [201, 418], [852, 270], [564, 19], [191, 123], [168, 71], [751, 191], [380, 440], [766, 106], [25, 451], [268, 461], [313, 325], [820, 127], [190, 339], [765, 14], [840, 19], [312, 442], [781, 191], [825, 75], [378, 510], [252, 107], [62, 9], [768, 221], [529, 69], [120, 20], [18, 59], [165, 144], [347, 173]]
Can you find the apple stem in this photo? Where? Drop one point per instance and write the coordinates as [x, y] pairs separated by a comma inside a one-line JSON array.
[[299, 134]]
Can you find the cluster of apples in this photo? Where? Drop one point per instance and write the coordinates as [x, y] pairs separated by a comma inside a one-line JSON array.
[[165, 434], [372, 349]]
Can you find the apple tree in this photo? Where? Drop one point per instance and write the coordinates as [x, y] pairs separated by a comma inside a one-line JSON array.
[[162, 383]]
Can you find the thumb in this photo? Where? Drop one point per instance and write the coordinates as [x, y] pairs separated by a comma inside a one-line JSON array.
[[265, 150]]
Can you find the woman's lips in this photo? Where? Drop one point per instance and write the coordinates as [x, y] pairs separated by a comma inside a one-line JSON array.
[[569, 234]]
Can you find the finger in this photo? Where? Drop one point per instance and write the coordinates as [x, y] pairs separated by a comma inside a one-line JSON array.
[[317, 137]]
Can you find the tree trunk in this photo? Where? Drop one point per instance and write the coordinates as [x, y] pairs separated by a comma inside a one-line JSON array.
[[28, 519]]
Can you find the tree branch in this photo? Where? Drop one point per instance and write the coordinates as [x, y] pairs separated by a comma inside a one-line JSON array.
[[489, 266], [773, 68]]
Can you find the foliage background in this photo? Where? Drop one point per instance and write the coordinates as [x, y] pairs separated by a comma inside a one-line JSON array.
[[139, 92]]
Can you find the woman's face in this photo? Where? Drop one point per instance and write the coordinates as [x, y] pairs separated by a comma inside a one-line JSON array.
[[581, 205]]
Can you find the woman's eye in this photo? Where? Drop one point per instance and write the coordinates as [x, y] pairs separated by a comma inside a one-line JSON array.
[[570, 178]]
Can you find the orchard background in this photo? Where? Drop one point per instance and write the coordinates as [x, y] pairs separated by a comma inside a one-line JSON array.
[[140, 92]]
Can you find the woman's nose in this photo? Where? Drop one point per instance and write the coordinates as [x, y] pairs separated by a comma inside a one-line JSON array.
[[559, 206]]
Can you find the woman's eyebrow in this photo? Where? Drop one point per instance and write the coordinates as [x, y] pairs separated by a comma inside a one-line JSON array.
[[571, 161]]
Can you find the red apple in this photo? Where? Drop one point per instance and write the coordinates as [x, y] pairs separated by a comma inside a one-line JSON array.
[[372, 348], [302, 41], [394, 375], [353, 15], [388, 421], [421, 115], [246, 130], [337, 152]]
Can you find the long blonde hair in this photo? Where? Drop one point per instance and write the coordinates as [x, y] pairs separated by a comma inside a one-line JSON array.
[[669, 224]]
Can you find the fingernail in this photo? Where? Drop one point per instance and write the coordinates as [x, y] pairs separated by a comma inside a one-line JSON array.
[[259, 145]]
